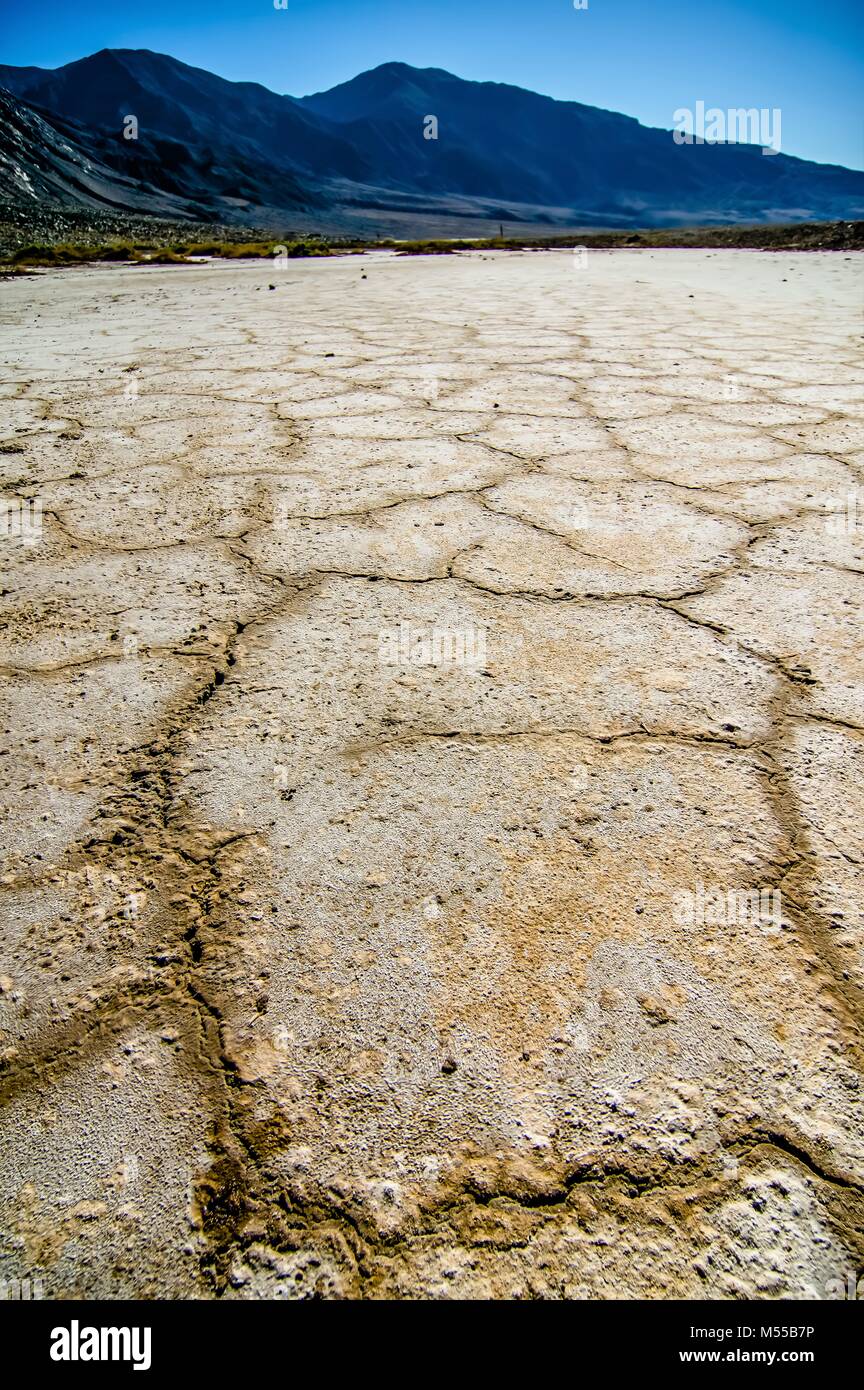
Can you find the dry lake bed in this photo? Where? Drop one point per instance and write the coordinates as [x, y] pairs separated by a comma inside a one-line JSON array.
[[432, 777]]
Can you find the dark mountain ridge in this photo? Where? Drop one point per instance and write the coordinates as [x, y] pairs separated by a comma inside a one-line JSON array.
[[233, 148]]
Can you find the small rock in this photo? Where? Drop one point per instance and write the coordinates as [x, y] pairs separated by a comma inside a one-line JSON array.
[[376, 879]]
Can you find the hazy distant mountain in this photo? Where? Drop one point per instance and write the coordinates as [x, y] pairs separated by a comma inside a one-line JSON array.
[[238, 146]]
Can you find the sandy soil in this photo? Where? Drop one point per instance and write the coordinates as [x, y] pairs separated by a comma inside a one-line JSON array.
[[404, 641]]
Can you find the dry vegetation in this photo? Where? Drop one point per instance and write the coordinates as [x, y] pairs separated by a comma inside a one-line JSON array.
[[811, 236]]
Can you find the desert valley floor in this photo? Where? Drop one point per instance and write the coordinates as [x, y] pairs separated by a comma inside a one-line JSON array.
[[433, 777]]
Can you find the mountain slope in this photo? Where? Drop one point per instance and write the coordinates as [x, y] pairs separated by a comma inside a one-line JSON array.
[[169, 98], [45, 158], [499, 141], [501, 152]]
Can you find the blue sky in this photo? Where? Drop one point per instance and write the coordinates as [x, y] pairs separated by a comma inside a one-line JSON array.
[[646, 59]]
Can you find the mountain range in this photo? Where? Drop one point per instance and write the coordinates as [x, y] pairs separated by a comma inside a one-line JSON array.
[[207, 148]]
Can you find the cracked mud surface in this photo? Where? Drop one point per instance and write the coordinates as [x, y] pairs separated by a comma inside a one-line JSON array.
[[325, 975]]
